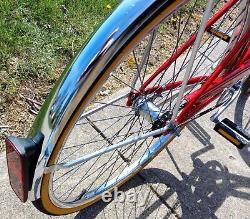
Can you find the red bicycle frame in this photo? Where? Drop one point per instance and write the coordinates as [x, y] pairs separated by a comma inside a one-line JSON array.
[[223, 76], [215, 84]]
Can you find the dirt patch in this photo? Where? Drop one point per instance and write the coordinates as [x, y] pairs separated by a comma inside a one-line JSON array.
[[18, 112]]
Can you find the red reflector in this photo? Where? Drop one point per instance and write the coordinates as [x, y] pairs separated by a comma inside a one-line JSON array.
[[17, 169]]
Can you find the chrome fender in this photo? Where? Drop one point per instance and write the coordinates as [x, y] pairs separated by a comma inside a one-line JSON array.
[[91, 61]]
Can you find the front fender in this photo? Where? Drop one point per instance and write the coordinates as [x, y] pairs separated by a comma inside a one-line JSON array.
[[126, 20]]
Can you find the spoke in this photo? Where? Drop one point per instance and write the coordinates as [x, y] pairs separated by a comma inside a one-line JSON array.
[[107, 149], [147, 151], [212, 45], [144, 59], [138, 71], [90, 112], [105, 119], [118, 79], [73, 188], [147, 52], [98, 130], [103, 165], [125, 166], [247, 124], [174, 77], [140, 131], [192, 57], [83, 163], [112, 104], [91, 142], [178, 39], [98, 135], [94, 164]]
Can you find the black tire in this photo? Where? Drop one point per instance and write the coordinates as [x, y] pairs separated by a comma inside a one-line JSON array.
[[246, 86]]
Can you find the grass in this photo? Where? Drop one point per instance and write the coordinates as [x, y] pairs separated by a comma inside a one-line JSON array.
[[38, 38]]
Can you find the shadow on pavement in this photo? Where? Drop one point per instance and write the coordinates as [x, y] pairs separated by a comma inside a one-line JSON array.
[[197, 195]]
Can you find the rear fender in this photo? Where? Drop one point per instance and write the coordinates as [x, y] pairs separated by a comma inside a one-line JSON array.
[[130, 17]]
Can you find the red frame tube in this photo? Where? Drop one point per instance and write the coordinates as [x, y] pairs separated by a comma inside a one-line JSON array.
[[215, 83], [159, 89], [195, 101], [187, 44]]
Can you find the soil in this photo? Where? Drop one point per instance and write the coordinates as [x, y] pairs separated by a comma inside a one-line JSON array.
[[18, 112]]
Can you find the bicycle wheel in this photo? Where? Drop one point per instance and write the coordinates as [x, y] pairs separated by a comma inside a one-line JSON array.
[[118, 109], [246, 86], [241, 117]]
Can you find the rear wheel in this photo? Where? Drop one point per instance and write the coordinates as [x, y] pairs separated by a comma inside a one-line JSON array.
[[118, 108], [242, 107], [242, 118], [246, 86]]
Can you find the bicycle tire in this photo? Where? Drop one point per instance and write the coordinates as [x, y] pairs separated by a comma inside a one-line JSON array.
[[246, 86], [241, 117]]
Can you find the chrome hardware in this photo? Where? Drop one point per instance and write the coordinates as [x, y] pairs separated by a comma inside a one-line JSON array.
[[147, 109]]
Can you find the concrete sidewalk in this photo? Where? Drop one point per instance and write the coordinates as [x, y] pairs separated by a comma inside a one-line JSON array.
[[200, 175]]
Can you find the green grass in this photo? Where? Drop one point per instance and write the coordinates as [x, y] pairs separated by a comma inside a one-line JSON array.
[[37, 38]]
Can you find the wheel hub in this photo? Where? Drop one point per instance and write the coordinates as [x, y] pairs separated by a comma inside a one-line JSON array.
[[147, 109], [152, 113]]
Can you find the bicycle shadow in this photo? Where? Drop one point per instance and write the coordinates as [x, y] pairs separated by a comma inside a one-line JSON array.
[[196, 195], [202, 202]]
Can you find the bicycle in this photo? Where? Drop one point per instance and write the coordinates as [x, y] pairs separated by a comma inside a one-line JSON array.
[[119, 103]]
